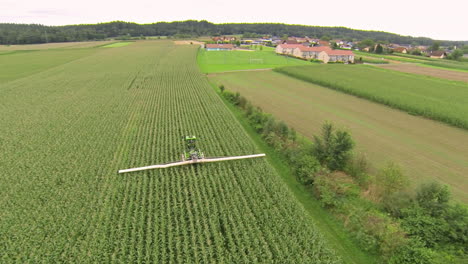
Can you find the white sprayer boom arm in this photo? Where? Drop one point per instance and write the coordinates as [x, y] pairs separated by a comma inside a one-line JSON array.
[[180, 163]]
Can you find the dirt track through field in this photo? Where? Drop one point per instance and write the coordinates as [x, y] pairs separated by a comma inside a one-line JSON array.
[[433, 72], [427, 150]]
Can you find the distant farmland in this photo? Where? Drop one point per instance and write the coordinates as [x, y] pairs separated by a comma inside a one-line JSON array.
[[427, 150], [428, 71], [438, 99], [220, 61]]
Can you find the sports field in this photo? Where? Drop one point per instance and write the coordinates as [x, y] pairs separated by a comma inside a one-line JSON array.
[[66, 130], [221, 61], [438, 99], [427, 150]]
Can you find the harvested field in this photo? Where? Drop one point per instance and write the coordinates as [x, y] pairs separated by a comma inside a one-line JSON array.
[[433, 72], [427, 150]]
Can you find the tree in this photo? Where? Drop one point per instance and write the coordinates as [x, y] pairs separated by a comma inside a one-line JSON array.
[[456, 54], [333, 149], [325, 38], [366, 43], [435, 46], [379, 49]]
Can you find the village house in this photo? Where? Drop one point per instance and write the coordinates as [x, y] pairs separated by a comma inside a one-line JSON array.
[[400, 50], [324, 43], [224, 39], [438, 54], [336, 56], [290, 41], [287, 49], [308, 52], [217, 47]]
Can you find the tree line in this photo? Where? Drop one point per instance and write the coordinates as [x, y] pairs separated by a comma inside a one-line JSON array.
[[35, 33]]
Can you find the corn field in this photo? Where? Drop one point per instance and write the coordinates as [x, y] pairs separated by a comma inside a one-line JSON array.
[[64, 133]]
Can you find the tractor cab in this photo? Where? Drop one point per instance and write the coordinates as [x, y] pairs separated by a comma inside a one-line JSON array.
[[191, 151]]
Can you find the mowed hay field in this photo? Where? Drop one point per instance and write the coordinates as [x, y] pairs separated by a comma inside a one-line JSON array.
[[433, 72], [438, 99], [64, 133], [427, 150]]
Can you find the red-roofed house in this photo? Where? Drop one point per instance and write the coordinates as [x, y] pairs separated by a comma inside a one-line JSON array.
[[336, 55], [219, 46], [287, 48], [309, 52], [400, 50], [324, 43]]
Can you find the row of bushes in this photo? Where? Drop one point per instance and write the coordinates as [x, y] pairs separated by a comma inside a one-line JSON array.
[[381, 213]]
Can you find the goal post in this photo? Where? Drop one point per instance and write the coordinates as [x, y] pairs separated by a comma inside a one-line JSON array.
[[255, 61]]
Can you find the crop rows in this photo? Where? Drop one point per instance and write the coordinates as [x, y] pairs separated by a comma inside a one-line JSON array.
[[67, 130]]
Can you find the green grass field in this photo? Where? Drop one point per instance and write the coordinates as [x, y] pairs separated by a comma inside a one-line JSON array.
[[118, 44], [66, 130], [221, 61], [427, 150], [438, 99]]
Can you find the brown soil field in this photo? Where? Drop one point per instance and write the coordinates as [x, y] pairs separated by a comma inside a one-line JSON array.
[[433, 72], [187, 42], [425, 149]]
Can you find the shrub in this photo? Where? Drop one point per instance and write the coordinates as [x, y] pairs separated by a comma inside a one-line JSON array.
[[433, 197], [413, 252], [358, 167], [334, 189], [305, 168], [391, 179]]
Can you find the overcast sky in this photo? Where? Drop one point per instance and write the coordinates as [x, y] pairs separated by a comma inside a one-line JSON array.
[[446, 19]]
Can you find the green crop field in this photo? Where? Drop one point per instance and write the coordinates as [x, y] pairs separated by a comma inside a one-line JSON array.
[[66, 130], [427, 150], [438, 99], [23, 63], [221, 61], [58, 45]]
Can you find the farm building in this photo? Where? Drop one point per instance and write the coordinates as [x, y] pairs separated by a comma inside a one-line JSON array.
[[438, 54], [219, 47], [309, 52], [336, 55]]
